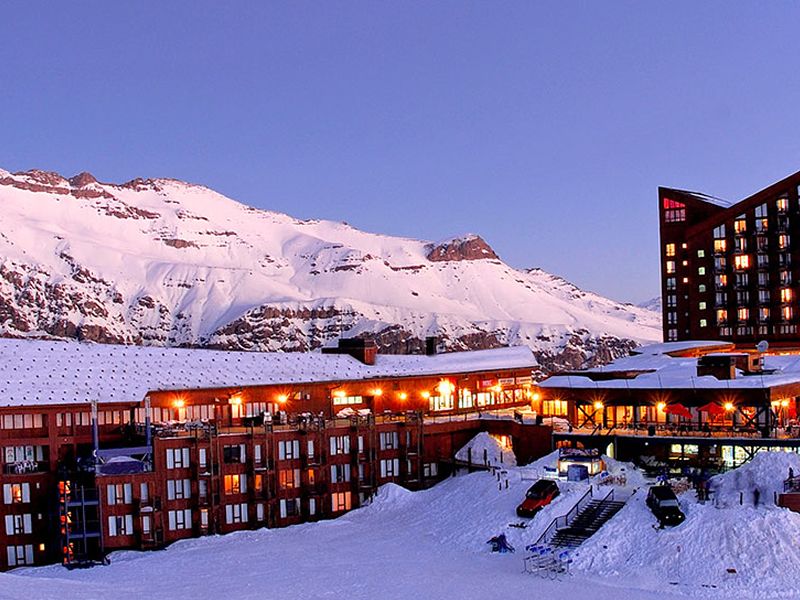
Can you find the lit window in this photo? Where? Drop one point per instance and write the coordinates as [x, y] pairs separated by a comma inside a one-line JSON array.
[[670, 266], [782, 204], [783, 241], [340, 399], [701, 288], [720, 245], [741, 261], [743, 314], [740, 224], [685, 280], [722, 316], [235, 484], [340, 501], [701, 254], [703, 323], [674, 211], [786, 294], [721, 280], [701, 270], [702, 306], [684, 245], [787, 313], [763, 314], [670, 250]]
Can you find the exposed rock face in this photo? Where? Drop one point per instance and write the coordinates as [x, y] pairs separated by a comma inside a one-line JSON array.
[[82, 180], [471, 247], [162, 262]]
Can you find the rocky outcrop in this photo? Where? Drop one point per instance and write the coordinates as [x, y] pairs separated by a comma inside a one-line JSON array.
[[82, 180], [471, 247]]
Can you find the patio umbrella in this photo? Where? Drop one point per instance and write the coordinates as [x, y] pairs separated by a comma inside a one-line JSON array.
[[712, 408], [678, 409]]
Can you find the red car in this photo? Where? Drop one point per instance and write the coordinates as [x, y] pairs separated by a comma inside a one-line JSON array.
[[539, 495]]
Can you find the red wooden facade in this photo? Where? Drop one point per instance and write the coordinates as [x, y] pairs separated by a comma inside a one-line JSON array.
[[215, 464]]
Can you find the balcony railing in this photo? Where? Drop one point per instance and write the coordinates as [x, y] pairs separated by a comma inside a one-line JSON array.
[[24, 467]]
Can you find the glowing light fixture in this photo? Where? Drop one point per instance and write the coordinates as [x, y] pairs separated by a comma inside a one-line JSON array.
[[282, 398], [598, 405], [426, 395], [537, 396], [784, 403], [235, 400], [661, 406], [377, 392], [340, 393], [728, 406], [178, 403], [403, 396], [445, 387]]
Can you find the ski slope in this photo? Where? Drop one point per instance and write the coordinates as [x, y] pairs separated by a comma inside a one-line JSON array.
[[431, 545]]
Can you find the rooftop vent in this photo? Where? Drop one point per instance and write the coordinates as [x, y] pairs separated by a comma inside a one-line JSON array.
[[360, 349]]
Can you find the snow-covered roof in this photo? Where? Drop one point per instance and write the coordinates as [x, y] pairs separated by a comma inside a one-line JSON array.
[[653, 368], [34, 372], [674, 347], [710, 199]]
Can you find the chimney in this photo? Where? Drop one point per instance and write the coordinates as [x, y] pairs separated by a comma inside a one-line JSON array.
[[431, 345], [362, 350], [721, 366]]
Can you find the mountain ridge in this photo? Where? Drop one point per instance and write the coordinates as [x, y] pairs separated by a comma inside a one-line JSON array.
[[165, 262]]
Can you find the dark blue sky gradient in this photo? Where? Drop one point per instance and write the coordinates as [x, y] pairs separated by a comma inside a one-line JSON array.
[[545, 127]]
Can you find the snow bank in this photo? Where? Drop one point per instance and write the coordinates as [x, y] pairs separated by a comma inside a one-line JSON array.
[[487, 450], [432, 544], [722, 550], [765, 473]]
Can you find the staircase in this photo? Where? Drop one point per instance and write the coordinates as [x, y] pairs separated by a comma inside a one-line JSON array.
[[551, 555], [587, 522]]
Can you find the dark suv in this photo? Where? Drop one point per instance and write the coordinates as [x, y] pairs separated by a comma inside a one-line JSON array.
[[539, 495], [662, 501]]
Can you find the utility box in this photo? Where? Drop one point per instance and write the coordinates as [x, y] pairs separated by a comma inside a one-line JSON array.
[[577, 473]]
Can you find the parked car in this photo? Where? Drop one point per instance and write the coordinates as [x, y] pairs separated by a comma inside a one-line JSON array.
[[539, 495], [664, 504]]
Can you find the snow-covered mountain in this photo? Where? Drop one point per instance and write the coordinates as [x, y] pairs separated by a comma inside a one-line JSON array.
[[162, 262], [653, 304]]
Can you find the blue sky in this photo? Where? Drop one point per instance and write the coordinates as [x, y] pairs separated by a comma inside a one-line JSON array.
[[545, 127]]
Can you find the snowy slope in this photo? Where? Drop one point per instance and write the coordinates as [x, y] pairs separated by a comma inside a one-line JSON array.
[[162, 262], [432, 545]]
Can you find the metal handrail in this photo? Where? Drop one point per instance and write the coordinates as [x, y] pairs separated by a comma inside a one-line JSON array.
[[565, 520], [792, 484]]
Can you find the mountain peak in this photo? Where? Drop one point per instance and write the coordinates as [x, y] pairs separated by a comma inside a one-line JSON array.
[[466, 247], [82, 180]]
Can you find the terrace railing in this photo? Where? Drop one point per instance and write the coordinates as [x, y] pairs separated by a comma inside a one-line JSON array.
[[564, 520]]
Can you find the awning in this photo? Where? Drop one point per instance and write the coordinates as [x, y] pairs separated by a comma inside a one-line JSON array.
[[678, 409]]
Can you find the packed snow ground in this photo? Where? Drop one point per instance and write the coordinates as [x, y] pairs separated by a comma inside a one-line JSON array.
[[432, 544]]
